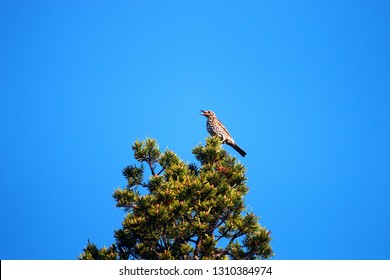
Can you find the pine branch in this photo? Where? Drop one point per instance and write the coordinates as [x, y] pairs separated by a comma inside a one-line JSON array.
[[151, 167], [197, 247], [238, 234], [158, 174]]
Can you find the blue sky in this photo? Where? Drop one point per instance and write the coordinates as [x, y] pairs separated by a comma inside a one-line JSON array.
[[303, 87]]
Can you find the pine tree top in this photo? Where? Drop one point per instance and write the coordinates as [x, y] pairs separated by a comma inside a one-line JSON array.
[[184, 211]]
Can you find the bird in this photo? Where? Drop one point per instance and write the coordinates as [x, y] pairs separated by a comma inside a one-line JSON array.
[[216, 128]]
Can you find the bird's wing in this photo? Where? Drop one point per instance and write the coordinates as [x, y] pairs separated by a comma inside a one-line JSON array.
[[225, 130]]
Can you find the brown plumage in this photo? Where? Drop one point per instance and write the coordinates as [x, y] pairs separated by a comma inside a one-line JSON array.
[[216, 128]]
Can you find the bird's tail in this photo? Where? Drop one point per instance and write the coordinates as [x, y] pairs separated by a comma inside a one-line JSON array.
[[238, 149]]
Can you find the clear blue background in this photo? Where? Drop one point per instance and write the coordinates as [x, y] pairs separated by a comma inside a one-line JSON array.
[[303, 87]]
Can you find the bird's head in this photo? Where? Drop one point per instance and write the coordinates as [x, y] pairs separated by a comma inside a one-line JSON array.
[[207, 113]]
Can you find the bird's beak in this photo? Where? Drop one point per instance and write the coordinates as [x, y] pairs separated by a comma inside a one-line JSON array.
[[203, 113]]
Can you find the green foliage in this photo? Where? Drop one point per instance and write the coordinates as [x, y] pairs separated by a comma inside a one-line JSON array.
[[91, 252], [187, 211]]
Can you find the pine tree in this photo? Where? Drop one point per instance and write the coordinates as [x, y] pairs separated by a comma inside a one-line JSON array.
[[184, 211]]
